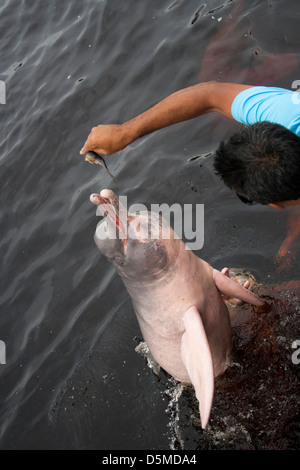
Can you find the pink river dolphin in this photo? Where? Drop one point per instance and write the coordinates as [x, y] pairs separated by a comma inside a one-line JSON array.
[[178, 297]]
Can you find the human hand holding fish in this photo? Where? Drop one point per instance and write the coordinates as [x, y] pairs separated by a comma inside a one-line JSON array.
[[106, 139]]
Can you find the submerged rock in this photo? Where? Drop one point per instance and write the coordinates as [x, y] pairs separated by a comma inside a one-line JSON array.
[[257, 400]]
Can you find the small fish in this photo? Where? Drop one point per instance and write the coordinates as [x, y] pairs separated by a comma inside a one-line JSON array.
[[93, 157]]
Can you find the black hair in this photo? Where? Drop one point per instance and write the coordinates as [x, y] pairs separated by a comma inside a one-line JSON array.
[[261, 163]]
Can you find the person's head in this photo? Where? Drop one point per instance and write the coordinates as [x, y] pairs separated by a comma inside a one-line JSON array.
[[262, 164]]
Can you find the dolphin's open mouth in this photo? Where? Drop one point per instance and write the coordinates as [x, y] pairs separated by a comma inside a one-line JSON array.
[[110, 205]]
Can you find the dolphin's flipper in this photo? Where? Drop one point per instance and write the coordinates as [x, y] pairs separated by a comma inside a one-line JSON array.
[[197, 358], [232, 289]]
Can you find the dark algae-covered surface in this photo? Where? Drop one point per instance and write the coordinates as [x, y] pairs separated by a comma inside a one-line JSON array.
[[256, 403]]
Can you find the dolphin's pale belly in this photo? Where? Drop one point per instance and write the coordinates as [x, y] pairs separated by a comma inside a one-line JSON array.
[[165, 348], [160, 318]]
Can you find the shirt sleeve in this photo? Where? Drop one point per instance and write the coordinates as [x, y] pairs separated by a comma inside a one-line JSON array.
[[276, 105]]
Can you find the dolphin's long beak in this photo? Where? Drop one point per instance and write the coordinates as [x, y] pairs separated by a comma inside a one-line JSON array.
[[111, 207]]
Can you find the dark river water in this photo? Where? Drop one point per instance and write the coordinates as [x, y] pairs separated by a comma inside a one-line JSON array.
[[72, 378]]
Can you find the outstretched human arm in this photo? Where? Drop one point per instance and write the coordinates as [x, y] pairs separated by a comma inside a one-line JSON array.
[[182, 105]]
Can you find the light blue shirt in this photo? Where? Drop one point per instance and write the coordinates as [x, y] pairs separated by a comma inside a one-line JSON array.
[[271, 104]]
